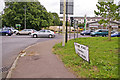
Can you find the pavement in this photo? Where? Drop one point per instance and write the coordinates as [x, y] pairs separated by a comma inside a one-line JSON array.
[[40, 62]]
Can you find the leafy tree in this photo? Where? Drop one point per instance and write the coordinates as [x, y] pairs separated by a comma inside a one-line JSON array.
[[102, 21], [109, 11], [56, 21], [61, 23], [37, 16]]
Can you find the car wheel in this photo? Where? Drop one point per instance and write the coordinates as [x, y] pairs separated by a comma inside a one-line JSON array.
[[14, 32], [102, 35], [50, 36], [29, 33], [9, 34], [35, 36], [96, 35], [93, 35], [18, 34]]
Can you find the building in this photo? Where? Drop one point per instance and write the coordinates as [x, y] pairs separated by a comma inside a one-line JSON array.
[[92, 22], [96, 25], [88, 19]]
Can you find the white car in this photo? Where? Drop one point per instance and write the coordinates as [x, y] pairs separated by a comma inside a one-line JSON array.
[[43, 33], [26, 31], [14, 30]]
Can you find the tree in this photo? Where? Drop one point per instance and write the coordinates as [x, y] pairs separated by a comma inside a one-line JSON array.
[[56, 19], [37, 16], [109, 11], [102, 21], [61, 23]]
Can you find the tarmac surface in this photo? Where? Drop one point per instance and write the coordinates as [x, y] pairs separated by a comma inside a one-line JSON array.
[[40, 62]]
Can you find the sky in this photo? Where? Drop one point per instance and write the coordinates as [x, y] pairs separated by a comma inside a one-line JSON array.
[[81, 7]]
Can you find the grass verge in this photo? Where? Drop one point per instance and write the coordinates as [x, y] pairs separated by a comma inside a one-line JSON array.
[[103, 57]]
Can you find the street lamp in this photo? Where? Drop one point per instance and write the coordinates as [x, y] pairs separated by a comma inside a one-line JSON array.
[[25, 18]]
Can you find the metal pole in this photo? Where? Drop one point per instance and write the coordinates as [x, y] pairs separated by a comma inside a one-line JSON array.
[[63, 43], [77, 29], [25, 17], [74, 29], [70, 30], [59, 29], [66, 20]]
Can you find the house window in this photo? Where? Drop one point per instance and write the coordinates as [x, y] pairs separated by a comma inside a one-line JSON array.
[[88, 19]]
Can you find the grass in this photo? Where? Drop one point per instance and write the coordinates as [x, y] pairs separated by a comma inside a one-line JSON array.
[[103, 57]]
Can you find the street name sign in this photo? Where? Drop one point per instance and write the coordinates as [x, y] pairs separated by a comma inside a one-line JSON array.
[[82, 51]]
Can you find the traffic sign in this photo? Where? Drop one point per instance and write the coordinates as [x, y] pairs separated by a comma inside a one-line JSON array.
[[18, 25], [69, 5]]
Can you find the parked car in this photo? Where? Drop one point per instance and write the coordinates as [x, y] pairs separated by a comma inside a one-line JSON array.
[[26, 31], [100, 32], [5, 32], [12, 29], [116, 34], [43, 33], [87, 32]]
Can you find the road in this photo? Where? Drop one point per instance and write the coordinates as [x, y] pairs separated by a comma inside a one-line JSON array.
[[13, 45]]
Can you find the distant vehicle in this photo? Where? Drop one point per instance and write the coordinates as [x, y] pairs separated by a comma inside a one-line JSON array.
[[116, 34], [100, 32], [12, 29], [15, 30], [43, 33], [87, 32], [5, 32], [26, 31]]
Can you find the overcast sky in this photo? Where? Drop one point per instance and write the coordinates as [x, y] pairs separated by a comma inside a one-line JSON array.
[[81, 7]]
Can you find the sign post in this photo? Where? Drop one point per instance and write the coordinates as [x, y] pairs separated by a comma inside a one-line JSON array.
[[18, 26], [69, 10]]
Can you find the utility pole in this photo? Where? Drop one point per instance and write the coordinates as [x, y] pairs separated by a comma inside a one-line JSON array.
[[25, 18], [64, 11]]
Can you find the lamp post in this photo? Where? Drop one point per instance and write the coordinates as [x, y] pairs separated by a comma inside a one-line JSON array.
[[66, 20], [25, 18]]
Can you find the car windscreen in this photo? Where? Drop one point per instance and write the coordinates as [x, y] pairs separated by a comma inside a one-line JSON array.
[[6, 29]]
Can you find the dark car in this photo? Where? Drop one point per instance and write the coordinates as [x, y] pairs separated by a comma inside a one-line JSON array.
[[100, 32], [116, 34], [5, 32], [87, 32]]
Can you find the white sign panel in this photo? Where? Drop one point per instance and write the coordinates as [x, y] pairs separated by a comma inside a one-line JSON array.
[[82, 51]]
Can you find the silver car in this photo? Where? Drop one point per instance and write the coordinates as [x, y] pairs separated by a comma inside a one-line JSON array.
[[26, 31], [43, 33]]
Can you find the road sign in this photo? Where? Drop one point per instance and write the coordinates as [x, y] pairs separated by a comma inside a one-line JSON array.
[[69, 5], [82, 51], [18, 25]]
